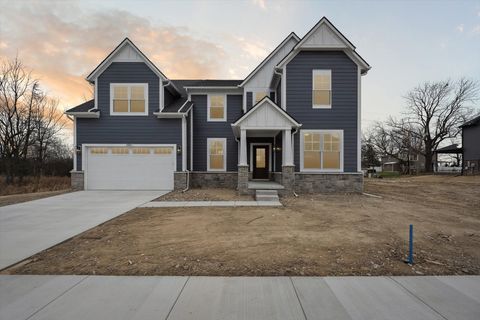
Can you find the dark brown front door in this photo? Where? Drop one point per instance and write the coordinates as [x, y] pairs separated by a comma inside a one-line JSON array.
[[260, 162]]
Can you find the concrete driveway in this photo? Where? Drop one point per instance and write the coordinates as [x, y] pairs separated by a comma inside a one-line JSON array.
[[29, 227]]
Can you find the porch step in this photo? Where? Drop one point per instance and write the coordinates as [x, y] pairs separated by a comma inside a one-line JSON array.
[[266, 195]]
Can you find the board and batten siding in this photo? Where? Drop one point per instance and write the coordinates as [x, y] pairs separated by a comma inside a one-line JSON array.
[[342, 115], [222, 129], [128, 129]]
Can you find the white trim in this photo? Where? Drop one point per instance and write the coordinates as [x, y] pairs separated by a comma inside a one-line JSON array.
[[95, 94], [279, 47], [224, 141], [108, 60], [332, 28], [284, 88], [129, 85], [236, 88], [85, 146], [321, 71], [258, 105], [224, 107], [161, 96], [74, 143], [359, 120], [244, 102], [169, 115], [191, 137], [184, 144], [84, 114], [269, 153], [321, 131]]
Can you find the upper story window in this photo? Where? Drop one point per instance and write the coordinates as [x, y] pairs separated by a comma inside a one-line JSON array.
[[217, 107], [413, 157], [129, 99], [321, 150], [322, 89], [259, 95]]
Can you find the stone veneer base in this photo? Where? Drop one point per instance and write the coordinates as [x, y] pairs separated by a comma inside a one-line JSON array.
[[328, 182], [77, 180]]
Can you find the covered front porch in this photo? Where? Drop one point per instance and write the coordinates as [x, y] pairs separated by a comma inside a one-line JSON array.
[[265, 146]]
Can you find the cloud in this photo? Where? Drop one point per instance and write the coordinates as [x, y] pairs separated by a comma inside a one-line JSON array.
[[63, 43], [476, 30], [260, 3], [460, 28]]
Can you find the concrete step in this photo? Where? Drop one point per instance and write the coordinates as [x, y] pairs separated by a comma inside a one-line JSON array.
[[267, 192], [266, 195]]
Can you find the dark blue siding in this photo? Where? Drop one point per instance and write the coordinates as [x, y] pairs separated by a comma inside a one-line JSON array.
[[470, 142], [278, 93], [272, 96], [128, 129], [203, 129], [249, 100], [343, 114]]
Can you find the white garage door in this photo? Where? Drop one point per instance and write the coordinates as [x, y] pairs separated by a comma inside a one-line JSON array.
[[129, 168]]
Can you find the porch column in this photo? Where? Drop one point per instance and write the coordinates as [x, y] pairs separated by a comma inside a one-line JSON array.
[[287, 147], [242, 183], [243, 147], [288, 169]]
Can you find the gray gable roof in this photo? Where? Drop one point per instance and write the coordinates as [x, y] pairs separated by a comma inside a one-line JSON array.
[[471, 122], [84, 107]]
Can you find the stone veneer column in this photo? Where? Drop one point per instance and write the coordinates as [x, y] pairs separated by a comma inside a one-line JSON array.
[[76, 180], [242, 184], [288, 178]]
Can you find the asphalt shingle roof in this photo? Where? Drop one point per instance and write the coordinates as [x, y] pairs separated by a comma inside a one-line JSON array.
[[84, 107]]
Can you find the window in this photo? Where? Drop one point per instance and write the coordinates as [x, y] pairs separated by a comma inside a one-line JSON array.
[[119, 150], [216, 158], [322, 150], [163, 150], [141, 150], [99, 150], [129, 99], [413, 157], [322, 89], [260, 95], [217, 107]]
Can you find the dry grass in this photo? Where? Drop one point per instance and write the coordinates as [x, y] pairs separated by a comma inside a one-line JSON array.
[[29, 185]]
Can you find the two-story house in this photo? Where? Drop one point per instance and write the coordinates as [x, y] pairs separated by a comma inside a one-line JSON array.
[[294, 120]]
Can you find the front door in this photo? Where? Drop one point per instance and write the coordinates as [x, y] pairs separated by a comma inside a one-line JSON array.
[[260, 162]]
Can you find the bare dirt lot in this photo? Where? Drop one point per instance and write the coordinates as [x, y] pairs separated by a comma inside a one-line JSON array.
[[204, 195], [311, 235], [24, 197]]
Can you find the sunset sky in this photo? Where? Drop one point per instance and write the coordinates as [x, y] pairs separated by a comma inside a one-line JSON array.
[[404, 42]]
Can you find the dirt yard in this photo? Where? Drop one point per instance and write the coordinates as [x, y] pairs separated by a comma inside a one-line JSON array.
[[19, 198], [311, 235], [204, 195]]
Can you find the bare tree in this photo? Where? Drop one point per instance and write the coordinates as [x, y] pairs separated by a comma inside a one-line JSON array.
[[48, 121], [435, 110], [30, 122], [18, 94]]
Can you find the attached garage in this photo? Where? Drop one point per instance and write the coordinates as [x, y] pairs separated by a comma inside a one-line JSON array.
[[129, 167]]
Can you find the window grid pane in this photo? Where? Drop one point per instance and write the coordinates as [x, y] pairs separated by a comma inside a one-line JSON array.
[[129, 98], [260, 95], [325, 155], [216, 155]]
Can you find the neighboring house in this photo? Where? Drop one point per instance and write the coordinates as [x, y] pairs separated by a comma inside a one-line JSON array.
[[412, 164], [294, 119], [471, 146]]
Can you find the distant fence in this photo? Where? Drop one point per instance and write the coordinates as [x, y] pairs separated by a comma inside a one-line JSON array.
[[449, 169]]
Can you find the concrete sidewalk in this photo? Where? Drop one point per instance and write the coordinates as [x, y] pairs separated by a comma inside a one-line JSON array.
[[113, 297], [175, 204]]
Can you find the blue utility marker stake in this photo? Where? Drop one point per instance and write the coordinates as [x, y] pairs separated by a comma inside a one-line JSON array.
[[410, 246]]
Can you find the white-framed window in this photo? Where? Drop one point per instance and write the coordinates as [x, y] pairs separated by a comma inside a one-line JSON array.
[[129, 99], [413, 157], [321, 150], [216, 154], [259, 95], [322, 89], [217, 107]]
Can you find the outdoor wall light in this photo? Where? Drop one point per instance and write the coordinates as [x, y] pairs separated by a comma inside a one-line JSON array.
[[277, 148], [179, 149], [78, 148]]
